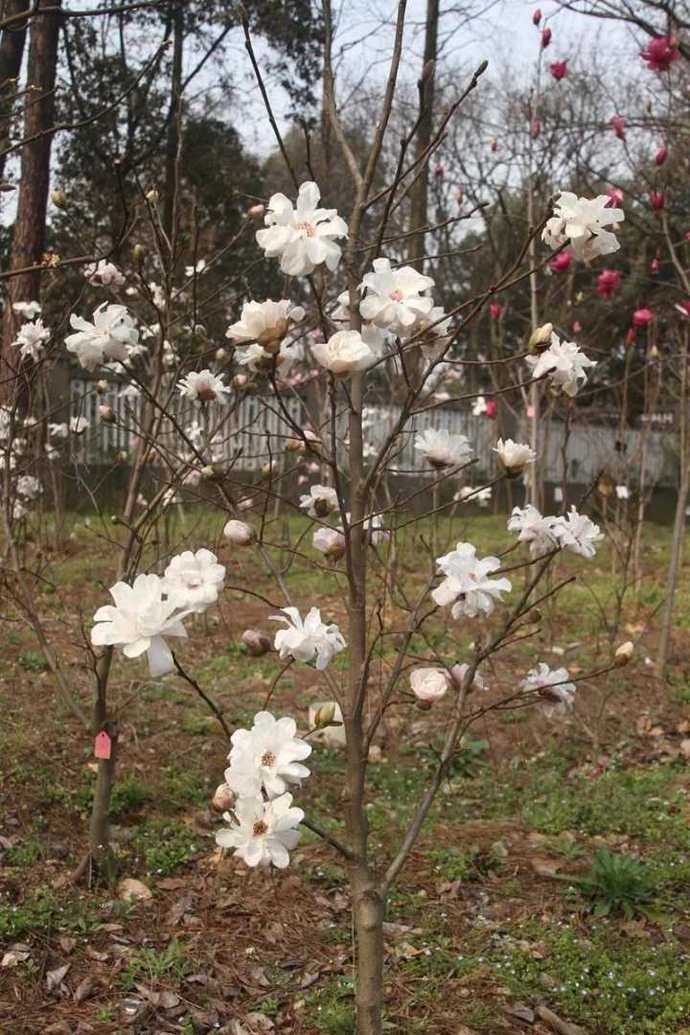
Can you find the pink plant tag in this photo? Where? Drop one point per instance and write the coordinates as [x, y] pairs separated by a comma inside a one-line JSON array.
[[530, 412], [103, 745]]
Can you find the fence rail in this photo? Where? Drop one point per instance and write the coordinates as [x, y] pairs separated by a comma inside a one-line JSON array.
[[255, 430]]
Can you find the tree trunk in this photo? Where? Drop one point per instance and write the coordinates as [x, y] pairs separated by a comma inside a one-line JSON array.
[[420, 191], [11, 53], [678, 521], [29, 235], [172, 146], [368, 908]]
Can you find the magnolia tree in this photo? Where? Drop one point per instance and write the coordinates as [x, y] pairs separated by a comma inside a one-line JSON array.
[[353, 319]]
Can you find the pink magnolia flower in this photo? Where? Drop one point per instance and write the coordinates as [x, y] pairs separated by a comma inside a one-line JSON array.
[[546, 37], [439, 170], [577, 326], [657, 199], [495, 310], [630, 336], [617, 124], [491, 409], [608, 282], [535, 128], [561, 262], [536, 16], [661, 155], [615, 197], [654, 266], [660, 53], [559, 70], [642, 317], [683, 308]]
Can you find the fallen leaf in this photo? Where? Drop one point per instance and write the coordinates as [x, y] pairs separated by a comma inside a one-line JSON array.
[[685, 748], [67, 944], [55, 977], [521, 1011], [16, 954], [130, 888], [84, 989]]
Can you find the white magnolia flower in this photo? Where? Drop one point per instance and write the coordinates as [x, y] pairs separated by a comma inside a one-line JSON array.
[[267, 757], [442, 449], [514, 456], [394, 298], [467, 585], [59, 430], [104, 274], [533, 528], [31, 339], [622, 492], [564, 365], [264, 831], [473, 495], [28, 487], [580, 222], [436, 333], [429, 684], [259, 360], [320, 501], [329, 541], [479, 406], [576, 532], [29, 310], [203, 386], [344, 353], [108, 337], [265, 323], [200, 266], [193, 580], [459, 675], [376, 531], [304, 236], [307, 639], [239, 533], [139, 621], [553, 686], [78, 425]]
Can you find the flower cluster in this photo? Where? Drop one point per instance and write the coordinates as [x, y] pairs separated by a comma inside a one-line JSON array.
[[144, 614], [110, 336], [580, 223], [573, 531], [563, 364], [264, 762]]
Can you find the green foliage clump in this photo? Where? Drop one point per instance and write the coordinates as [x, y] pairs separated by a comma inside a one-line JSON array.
[[616, 884], [164, 845], [152, 966]]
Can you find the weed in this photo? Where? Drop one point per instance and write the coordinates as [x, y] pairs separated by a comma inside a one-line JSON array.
[[153, 966], [616, 884], [164, 845]]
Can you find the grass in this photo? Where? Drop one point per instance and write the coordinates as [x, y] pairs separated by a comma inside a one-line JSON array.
[[163, 846], [154, 967]]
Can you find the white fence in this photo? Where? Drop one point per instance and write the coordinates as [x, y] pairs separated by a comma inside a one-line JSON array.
[[256, 430]]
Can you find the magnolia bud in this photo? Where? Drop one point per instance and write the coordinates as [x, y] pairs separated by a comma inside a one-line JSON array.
[[223, 798], [199, 330], [138, 252], [256, 212], [153, 197], [106, 414], [623, 654], [6, 186], [240, 380], [211, 472], [325, 715], [540, 339], [294, 445], [221, 355], [257, 643], [238, 532], [58, 199], [268, 467], [101, 387]]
